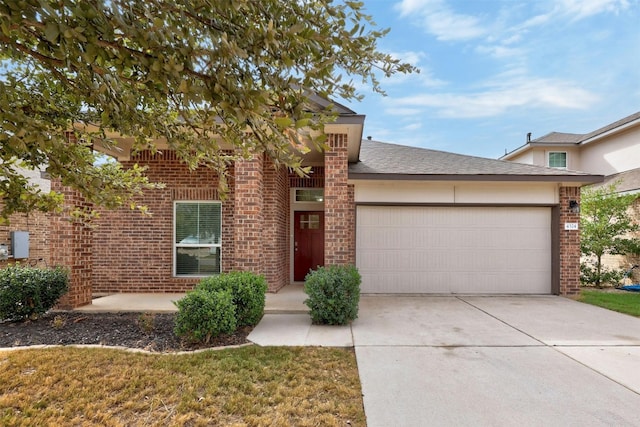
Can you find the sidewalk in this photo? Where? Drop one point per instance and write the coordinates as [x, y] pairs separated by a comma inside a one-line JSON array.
[[286, 321]]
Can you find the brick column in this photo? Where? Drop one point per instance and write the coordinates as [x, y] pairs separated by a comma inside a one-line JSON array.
[[569, 243], [339, 208], [248, 217], [276, 225], [71, 246]]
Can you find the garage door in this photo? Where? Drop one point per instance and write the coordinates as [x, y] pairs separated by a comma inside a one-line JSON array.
[[478, 250]]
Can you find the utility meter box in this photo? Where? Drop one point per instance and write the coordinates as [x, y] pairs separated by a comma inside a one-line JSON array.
[[20, 244]]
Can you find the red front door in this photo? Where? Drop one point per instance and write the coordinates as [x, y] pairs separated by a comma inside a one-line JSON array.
[[308, 245]]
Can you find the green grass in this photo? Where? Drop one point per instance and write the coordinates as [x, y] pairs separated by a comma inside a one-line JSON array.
[[627, 302], [250, 386]]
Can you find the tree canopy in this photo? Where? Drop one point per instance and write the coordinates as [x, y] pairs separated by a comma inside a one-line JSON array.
[[607, 227], [197, 74]]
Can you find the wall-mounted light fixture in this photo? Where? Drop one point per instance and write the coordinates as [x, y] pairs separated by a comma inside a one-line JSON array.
[[574, 206]]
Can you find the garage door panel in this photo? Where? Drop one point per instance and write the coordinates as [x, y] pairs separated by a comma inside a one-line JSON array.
[[454, 249]]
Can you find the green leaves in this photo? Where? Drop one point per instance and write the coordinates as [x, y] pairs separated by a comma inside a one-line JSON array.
[[51, 32], [192, 73], [606, 228]]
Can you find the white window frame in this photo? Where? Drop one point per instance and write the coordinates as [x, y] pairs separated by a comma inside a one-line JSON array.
[[566, 159], [175, 245]]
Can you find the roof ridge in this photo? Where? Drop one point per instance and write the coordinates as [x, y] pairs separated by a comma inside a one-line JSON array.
[[623, 121]]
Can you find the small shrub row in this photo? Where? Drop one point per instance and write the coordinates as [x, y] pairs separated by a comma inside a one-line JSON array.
[[219, 305], [27, 292], [334, 294]]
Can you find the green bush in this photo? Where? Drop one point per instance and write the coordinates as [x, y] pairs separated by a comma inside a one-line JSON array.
[[334, 294], [248, 291], [27, 292], [203, 315], [607, 277]]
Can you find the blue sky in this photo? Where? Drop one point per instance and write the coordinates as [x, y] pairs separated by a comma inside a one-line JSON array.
[[494, 70]]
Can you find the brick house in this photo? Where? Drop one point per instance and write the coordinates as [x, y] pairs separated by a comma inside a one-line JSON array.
[[412, 220]]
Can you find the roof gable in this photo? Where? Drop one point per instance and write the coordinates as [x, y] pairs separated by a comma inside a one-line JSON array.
[[560, 138]]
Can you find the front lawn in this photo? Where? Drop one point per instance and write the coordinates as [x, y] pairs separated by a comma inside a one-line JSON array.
[[253, 386], [623, 302]]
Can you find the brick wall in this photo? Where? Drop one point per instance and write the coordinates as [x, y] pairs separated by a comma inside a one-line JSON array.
[[339, 207], [134, 253], [38, 225], [276, 226], [569, 243], [71, 245]]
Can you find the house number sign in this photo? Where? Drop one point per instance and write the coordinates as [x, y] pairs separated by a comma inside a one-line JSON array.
[[570, 225]]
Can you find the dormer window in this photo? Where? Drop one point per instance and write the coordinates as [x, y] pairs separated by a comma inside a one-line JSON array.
[[558, 160]]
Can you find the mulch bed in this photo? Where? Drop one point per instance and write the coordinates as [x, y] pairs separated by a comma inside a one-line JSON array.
[[147, 331]]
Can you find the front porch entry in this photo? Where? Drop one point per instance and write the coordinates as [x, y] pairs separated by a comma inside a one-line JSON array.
[[308, 245]]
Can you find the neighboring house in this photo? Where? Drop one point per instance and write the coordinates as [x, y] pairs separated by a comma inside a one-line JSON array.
[[412, 220], [613, 151]]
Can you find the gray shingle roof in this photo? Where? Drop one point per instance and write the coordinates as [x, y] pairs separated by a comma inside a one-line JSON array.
[[559, 137], [612, 126], [379, 160], [576, 138], [629, 181]]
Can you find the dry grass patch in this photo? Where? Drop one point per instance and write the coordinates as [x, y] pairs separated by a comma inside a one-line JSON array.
[[252, 386]]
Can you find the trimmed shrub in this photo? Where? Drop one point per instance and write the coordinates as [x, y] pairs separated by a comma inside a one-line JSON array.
[[27, 292], [203, 315], [248, 292], [334, 294]]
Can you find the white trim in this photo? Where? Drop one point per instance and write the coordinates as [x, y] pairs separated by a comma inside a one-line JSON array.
[[174, 245], [515, 152], [610, 132], [566, 159]]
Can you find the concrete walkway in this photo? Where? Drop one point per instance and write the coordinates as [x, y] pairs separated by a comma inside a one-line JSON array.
[[289, 299], [286, 321]]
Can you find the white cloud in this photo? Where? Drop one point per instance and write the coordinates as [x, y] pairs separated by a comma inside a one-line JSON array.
[[424, 78], [579, 9], [439, 19], [498, 51], [412, 126], [499, 98]]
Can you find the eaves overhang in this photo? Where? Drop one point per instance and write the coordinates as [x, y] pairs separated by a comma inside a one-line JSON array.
[[515, 152], [578, 179], [610, 132], [353, 126]]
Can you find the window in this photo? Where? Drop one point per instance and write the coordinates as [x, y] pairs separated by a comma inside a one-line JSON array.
[[309, 195], [310, 221], [558, 160], [197, 238]]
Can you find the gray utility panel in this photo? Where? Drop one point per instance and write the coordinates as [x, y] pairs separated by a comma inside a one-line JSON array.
[[20, 244]]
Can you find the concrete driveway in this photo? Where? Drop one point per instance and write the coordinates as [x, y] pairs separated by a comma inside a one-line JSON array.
[[531, 361]]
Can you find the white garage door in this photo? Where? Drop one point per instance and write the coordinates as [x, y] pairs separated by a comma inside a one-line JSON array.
[[478, 250]]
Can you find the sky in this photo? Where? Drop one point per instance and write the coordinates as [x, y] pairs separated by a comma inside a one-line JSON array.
[[494, 70]]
